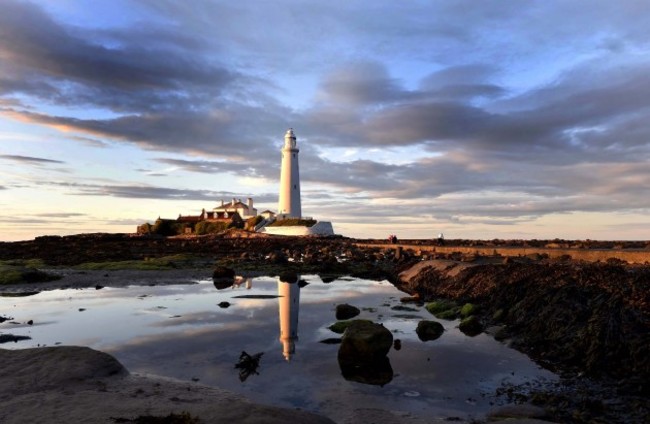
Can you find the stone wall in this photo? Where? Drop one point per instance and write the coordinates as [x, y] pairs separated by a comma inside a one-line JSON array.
[[639, 256]]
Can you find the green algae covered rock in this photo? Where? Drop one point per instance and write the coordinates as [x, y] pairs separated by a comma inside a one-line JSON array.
[[471, 326]]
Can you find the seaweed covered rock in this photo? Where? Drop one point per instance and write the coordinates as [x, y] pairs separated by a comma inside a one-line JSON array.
[[471, 326], [443, 309], [364, 340], [340, 326], [593, 317], [429, 330], [345, 311]]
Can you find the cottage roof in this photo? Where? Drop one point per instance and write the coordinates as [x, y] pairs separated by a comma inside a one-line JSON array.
[[232, 205], [190, 218]]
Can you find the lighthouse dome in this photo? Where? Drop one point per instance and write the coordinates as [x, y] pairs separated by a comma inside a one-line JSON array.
[[290, 139]]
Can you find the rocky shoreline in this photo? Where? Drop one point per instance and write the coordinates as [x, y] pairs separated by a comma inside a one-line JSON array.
[[589, 322]]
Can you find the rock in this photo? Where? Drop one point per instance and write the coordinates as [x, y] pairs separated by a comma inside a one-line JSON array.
[[429, 330], [403, 308], [278, 257], [516, 411], [411, 299], [331, 340], [471, 326], [345, 311], [223, 304], [443, 309], [289, 277], [6, 338], [223, 272], [397, 344], [364, 341], [223, 277], [498, 315], [340, 326], [33, 369], [468, 309]]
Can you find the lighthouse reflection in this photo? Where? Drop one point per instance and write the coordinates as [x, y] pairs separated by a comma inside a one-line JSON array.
[[288, 306]]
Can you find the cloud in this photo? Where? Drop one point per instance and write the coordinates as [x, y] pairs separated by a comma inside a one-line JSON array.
[[73, 66], [60, 215], [507, 118], [30, 160], [140, 191]]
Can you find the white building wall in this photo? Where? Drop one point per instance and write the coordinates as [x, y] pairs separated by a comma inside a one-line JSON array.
[[321, 228]]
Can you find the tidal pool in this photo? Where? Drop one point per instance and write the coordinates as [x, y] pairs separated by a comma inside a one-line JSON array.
[[180, 331]]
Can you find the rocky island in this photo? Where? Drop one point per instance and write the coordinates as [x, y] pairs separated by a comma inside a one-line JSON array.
[[579, 308]]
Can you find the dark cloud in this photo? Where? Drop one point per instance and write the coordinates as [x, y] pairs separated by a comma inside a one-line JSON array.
[[66, 66], [360, 84], [30, 160], [148, 192]]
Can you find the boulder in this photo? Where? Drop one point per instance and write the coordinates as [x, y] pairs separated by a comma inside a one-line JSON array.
[[223, 277], [429, 330], [471, 326], [345, 311], [443, 309], [364, 341]]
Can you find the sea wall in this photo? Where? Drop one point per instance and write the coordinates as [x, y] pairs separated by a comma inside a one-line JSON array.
[[639, 256]]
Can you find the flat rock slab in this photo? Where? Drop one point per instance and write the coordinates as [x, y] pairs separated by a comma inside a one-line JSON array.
[[78, 384]]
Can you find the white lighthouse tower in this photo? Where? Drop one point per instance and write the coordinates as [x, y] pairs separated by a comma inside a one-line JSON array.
[[289, 204]]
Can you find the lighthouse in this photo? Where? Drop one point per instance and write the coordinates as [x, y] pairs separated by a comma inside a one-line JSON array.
[[289, 204]]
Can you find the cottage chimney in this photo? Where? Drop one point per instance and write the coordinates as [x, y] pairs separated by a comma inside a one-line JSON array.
[[234, 201], [221, 202], [250, 203]]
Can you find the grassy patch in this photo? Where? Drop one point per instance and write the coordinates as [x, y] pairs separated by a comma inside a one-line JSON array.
[[293, 222], [25, 263], [148, 264], [19, 274]]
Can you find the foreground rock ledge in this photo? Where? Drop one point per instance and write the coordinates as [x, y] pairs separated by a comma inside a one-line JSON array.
[[79, 384]]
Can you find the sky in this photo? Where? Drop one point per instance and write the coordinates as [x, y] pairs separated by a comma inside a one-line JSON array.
[[478, 119]]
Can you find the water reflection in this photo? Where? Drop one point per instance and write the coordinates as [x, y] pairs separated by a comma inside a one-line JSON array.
[[377, 372], [289, 307], [136, 325]]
